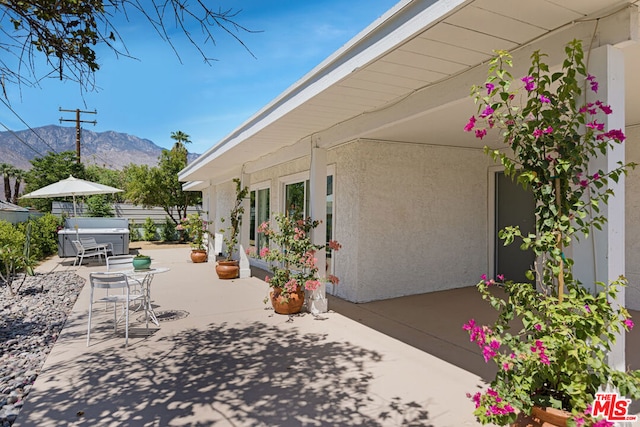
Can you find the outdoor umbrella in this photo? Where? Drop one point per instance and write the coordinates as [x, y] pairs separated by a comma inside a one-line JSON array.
[[71, 187]]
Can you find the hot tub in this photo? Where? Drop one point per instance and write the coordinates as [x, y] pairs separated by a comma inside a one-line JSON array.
[[104, 230]]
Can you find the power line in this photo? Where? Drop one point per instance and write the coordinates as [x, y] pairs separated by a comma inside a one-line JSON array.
[[28, 127], [21, 140]]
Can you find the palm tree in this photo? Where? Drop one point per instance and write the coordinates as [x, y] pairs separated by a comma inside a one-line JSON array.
[[181, 138], [18, 175], [7, 171]]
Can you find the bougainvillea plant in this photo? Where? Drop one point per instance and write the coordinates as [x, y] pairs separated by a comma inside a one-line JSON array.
[[292, 255], [552, 336]]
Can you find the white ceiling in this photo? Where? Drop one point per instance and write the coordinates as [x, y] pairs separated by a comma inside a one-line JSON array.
[[413, 48]]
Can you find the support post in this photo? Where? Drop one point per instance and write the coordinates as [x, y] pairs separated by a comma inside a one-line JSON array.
[[601, 257], [317, 300]]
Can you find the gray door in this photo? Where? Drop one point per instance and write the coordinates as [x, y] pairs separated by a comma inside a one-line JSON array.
[[514, 206]]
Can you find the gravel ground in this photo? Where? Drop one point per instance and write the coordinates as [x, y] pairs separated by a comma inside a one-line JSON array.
[[30, 323]]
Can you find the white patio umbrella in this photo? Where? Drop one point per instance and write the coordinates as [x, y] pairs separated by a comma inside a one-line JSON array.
[[71, 187]]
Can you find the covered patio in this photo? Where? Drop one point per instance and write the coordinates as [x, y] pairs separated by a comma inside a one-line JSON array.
[[220, 357]]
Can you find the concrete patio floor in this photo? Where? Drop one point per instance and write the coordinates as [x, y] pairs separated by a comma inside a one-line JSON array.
[[221, 357]]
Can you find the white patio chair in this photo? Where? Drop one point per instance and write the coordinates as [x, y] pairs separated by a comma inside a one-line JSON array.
[[83, 251], [107, 280], [119, 263], [90, 243]]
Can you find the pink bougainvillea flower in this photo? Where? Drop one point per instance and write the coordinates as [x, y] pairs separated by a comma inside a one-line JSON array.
[[548, 130], [604, 107], [596, 176], [470, 124], [593, 83], [587, 308], [584, 183], [483, 277], [529, 85], [500, 277], [480, 133], [579, 421], [544, 99], [537, 133], [615, 134], [595, 125], [334, 280], [628, 323], [469, 325], [264, 252], [489, 87], [334, 245], [487, 112], [603, 423], [538, 326], [312, 285]]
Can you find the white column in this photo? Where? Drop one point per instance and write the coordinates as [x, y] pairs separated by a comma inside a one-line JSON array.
[[601, 257], [245, 266], [317, 300]]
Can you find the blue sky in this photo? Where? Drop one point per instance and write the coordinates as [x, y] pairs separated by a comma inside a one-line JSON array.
[[156, 94]]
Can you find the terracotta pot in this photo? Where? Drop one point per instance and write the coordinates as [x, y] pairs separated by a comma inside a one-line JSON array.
[[543, 417], [283, 305], [198, 255], [228, 269]]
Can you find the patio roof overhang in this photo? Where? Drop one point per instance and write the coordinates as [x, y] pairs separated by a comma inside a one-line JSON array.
[[409, 73]]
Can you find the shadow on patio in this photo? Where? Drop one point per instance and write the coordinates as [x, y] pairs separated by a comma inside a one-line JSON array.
[[257, 374]]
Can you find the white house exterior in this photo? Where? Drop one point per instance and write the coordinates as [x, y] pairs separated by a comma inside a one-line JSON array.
[[412, 198]]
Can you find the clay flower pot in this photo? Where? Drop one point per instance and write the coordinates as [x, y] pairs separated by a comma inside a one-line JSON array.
[[198, 255], [283, 305], [543, 417], [228, 269]]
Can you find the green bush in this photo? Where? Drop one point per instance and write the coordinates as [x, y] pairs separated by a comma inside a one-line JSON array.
[[168, 231], [134, 233], [99, 206], [150, 231], [44, 235], [11, 252]]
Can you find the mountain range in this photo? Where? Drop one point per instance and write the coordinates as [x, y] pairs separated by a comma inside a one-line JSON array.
[[110, 149]]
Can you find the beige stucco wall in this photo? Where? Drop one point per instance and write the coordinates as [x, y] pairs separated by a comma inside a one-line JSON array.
[[632, 221], [412, 219]]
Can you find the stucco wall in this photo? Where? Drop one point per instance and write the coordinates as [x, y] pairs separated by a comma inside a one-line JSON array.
[[420, 219], [632, 221]]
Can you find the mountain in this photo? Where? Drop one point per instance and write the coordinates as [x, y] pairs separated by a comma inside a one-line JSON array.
[[108, 149]]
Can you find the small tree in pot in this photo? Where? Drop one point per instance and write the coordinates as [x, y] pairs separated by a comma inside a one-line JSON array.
[[229, 268]]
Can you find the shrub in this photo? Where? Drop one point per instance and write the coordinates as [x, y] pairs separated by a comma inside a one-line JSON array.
[[134, 233], [168, 231], [99, 206], [44, 236], [149, 230]]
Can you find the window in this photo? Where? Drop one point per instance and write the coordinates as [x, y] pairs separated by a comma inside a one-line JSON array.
[[297, 204], [258, 213]]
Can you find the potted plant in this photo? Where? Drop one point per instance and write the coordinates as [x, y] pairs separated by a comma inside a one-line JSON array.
[[196, 228], [552, 336], [292, 262], [141, 262], [228, 268]]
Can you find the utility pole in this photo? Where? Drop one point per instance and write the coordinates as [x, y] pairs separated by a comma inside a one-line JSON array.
[[78, 121]]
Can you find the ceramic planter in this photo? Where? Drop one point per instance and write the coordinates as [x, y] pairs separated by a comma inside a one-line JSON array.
[[141, 262], [198, 255], [283, 305], [228, 269], [543, 417]]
